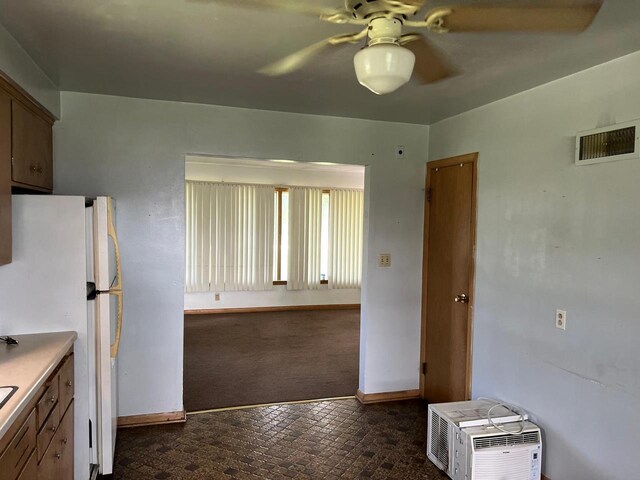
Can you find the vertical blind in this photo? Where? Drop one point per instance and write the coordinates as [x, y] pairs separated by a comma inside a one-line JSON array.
[[346, 211], [229, 237], [305, 220]]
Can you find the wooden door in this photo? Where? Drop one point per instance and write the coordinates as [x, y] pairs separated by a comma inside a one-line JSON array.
[[5, 179], [32, 148], [448, 279]]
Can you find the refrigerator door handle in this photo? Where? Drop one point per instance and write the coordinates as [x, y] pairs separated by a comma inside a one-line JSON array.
[[116, 289], [116, 343]]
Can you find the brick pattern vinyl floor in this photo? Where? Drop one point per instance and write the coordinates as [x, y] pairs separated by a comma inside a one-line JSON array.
[[321, 440]]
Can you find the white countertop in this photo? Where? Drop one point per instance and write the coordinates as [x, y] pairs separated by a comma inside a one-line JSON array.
[[27, 366]]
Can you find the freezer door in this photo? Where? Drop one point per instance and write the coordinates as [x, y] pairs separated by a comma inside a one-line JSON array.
[[108, 328]]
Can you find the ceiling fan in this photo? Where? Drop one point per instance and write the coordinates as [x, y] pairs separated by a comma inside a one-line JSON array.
[[389, 56]]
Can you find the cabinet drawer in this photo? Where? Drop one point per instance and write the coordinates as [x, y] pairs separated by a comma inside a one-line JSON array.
[[47, 402], [19, 450], [48, 430], [30, 471], [57, 462], [66, 384]]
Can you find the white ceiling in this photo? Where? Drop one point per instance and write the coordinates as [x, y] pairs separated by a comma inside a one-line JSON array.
[[273, 172], [200, 51], [289, 165]]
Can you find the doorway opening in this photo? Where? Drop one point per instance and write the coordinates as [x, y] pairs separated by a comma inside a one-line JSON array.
[[273, 272], [448, 275]]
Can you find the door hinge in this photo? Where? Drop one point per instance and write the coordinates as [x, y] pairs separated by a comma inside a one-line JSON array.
[[428, 195], [424, 368]]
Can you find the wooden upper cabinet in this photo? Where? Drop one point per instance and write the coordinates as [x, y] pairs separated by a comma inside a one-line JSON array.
[[5, 179], [32, 148], [26, 153]]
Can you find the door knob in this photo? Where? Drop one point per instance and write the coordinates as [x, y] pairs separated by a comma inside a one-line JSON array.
[[462, 298]]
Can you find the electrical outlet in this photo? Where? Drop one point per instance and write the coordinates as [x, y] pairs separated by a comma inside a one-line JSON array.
[[384, 260], [216, 297], [561, 319]]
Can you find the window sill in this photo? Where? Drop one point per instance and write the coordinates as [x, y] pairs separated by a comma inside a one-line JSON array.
[[284, 282]]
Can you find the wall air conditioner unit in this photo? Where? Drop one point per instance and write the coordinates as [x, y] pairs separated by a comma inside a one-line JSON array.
[[461, 442], [487, 453], [617, 142]]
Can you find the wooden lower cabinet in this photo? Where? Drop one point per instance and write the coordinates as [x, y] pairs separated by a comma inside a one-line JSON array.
[[39, 446], [30, 470], [57, 462]]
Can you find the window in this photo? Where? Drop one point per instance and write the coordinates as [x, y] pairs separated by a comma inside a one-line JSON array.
[[324, 241], [229, 237], [340, 236], [251, 237], [281, 237]]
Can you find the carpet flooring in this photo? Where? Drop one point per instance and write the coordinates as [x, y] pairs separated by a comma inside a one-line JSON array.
[[338, 439], [267, 357]]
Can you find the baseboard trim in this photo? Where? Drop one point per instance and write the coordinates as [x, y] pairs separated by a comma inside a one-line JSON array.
[[152, 419], [260, 405], [283, 308], [369, 398]]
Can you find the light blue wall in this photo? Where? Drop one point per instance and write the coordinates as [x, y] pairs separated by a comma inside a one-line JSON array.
[[18, 65], [552, 235], [134, 150]]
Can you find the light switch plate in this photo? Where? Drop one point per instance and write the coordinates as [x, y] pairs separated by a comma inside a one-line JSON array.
[[561, 319], [384, 260]]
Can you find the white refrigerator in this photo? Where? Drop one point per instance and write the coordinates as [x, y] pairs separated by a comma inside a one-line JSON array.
[[66, 275], [104, 325]]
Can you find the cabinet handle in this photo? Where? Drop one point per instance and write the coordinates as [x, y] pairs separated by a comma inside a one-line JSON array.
[[52, 399], [33, 169], [58, 455], [53, 428], [68, 383]]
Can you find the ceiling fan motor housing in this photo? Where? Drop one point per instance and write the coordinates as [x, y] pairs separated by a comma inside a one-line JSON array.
[[384, 30]]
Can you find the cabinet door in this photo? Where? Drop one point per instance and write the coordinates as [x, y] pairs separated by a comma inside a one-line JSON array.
[[50, 467], [5, 179], [32, 148], [66, 445], [30, 470], [57, 463]]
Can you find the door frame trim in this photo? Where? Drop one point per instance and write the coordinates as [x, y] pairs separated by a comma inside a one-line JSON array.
[[447, 162]]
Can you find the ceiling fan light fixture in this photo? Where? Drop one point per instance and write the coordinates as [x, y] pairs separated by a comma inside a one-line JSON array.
[[384, 67]]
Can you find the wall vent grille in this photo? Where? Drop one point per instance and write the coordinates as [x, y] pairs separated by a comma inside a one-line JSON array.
[[506, 440], [606, 144]]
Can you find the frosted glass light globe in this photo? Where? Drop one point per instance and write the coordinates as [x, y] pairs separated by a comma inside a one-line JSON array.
[[383, 68]]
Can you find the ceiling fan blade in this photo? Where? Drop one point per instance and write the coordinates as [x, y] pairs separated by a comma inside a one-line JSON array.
[[575, 18], [299, 59], [294, 6], [431, 66]]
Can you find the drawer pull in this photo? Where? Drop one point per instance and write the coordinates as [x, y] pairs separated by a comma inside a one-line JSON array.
[[65, 440], [53, 428], [69, 383], [58, 455], [52, 399]]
